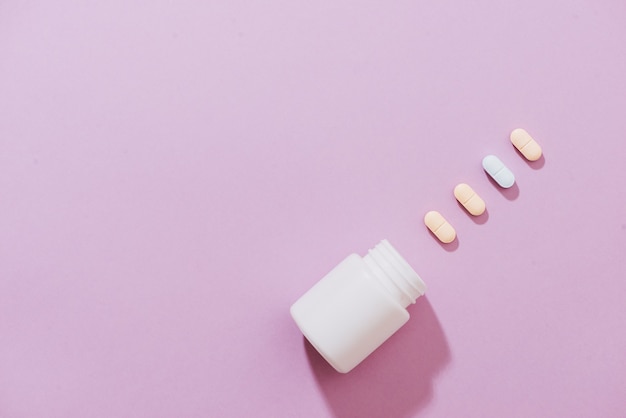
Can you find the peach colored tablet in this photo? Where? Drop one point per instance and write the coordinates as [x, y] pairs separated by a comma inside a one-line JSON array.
[[525, 143], [470, 200], [440, 227]]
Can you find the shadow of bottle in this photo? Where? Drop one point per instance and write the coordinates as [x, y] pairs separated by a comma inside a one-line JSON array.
[[396, 379]]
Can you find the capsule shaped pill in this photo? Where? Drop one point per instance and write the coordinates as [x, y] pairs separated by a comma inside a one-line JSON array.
[[440, 227], [498, 171], [525, 144], [469, 199]]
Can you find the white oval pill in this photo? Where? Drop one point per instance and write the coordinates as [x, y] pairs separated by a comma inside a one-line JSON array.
[[440, 227], [470, 200], [525, 143], [498, 171]]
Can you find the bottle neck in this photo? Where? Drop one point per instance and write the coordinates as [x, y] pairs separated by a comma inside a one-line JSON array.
[[394, 274]]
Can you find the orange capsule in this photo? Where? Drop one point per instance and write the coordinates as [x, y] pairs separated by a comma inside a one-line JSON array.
[[525, 143], [440, 227], [470, 200]]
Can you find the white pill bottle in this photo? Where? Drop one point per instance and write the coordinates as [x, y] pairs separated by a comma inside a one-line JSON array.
[[358, 305]]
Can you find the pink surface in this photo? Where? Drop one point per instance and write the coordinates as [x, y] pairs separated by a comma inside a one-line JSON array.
[[173, 175]]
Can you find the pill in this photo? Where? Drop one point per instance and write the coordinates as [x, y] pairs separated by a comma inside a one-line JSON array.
[[525, 143], [440, 227], [498, 171], [469, 199]]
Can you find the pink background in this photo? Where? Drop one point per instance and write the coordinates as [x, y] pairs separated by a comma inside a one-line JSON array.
[[174, 174]]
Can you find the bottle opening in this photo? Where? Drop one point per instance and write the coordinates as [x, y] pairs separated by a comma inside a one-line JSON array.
[[394, 273]]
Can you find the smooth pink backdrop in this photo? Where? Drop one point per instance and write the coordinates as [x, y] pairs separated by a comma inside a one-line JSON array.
[[174, 174]]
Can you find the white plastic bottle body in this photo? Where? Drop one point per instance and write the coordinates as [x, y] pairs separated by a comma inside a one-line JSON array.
[[353, 309]]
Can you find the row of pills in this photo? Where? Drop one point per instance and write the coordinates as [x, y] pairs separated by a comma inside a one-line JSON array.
[[469, 199]]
